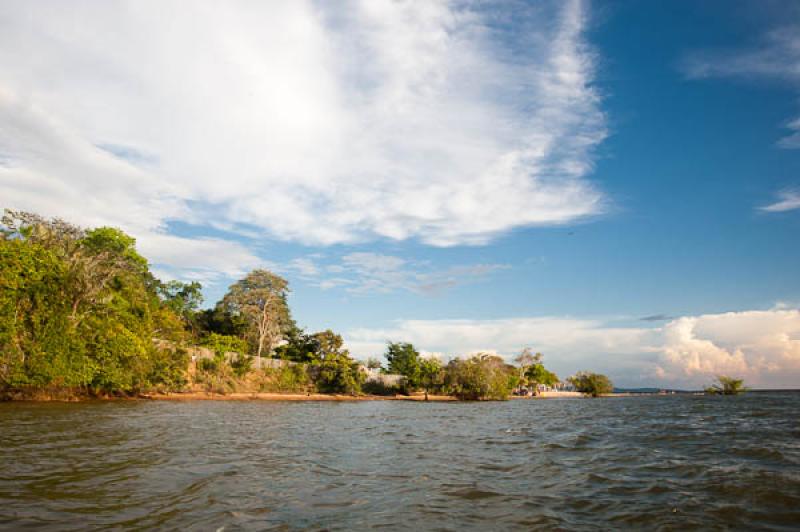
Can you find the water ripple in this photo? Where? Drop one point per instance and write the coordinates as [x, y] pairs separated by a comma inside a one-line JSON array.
[[641, 463]]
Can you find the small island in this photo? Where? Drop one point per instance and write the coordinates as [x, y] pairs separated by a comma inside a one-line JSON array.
[[83, 316]]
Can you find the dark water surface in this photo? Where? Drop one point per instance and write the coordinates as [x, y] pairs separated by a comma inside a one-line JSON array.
[[644, 463]]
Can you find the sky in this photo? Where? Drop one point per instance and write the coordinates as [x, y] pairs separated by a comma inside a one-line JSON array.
[[614, 184]]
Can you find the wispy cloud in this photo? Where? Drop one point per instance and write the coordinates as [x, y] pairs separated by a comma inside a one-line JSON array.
[[787, 200], [312, 122], [370, 273], [776, 58], [761, 346]]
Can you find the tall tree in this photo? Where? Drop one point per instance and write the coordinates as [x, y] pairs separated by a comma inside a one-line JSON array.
[[404, 360], [525, 360], [260, 298], [184, 299]]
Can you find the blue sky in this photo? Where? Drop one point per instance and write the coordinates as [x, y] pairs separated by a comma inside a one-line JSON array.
[[462, 175]]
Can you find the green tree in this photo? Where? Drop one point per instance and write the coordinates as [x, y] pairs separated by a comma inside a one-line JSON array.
[[299, 347], [260, 298], [726, 386], [431, 374], [480, 377], [403, 359], [525, 360], [336, 371], [78, 310], [594, 384], [184, 299], [537, 374]]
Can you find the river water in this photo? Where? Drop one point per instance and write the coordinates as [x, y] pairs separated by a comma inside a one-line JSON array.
[[650, 463]]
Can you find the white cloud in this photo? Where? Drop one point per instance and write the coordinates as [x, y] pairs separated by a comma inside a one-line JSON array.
[[311, 122], [198, 259], [788, 200], [368, 273], [569, 344], [763, 347]]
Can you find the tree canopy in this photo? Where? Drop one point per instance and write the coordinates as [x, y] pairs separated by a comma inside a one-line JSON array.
[[481, 376], [260, 299], [403, 359], [594, 384]]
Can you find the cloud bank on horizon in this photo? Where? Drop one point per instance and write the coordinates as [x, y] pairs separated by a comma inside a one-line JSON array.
[[301, 120], [763, 347]]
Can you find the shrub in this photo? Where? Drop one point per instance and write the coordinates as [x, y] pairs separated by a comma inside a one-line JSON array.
[[594, 384], [480, 377]]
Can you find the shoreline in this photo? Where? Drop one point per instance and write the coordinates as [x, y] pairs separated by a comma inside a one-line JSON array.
[[272, 396]]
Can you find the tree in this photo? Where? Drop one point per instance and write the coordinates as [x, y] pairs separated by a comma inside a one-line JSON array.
[[526, 359], [184, 299], [373, 363], [404, 360], [726, 386], [431, 374], [260, 298], [337, 372], [299, 347], [78, 309], [593, 384], [482, 376], [537, 374]]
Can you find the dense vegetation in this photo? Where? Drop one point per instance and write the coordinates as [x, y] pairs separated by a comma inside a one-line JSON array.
[[81, 311], [593, 384]]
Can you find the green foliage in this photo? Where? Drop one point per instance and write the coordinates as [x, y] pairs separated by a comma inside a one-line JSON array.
[[289, 378], [726, 386], [339, 374], [78, 310], [431, 374], [223, 343], [183, 299], [480, 377], [538, 374], [299, 347], [404, 360], [260, 300], [593, 384], [242, 365], [116, 243], [336, 371]]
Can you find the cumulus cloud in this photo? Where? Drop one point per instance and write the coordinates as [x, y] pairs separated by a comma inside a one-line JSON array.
[[319, 123], [763, 347]]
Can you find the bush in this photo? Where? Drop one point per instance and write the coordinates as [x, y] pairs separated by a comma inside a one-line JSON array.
[[339, 374], [480, 377], [242, 365], [289, 378], [726, 386], [593, 384]]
